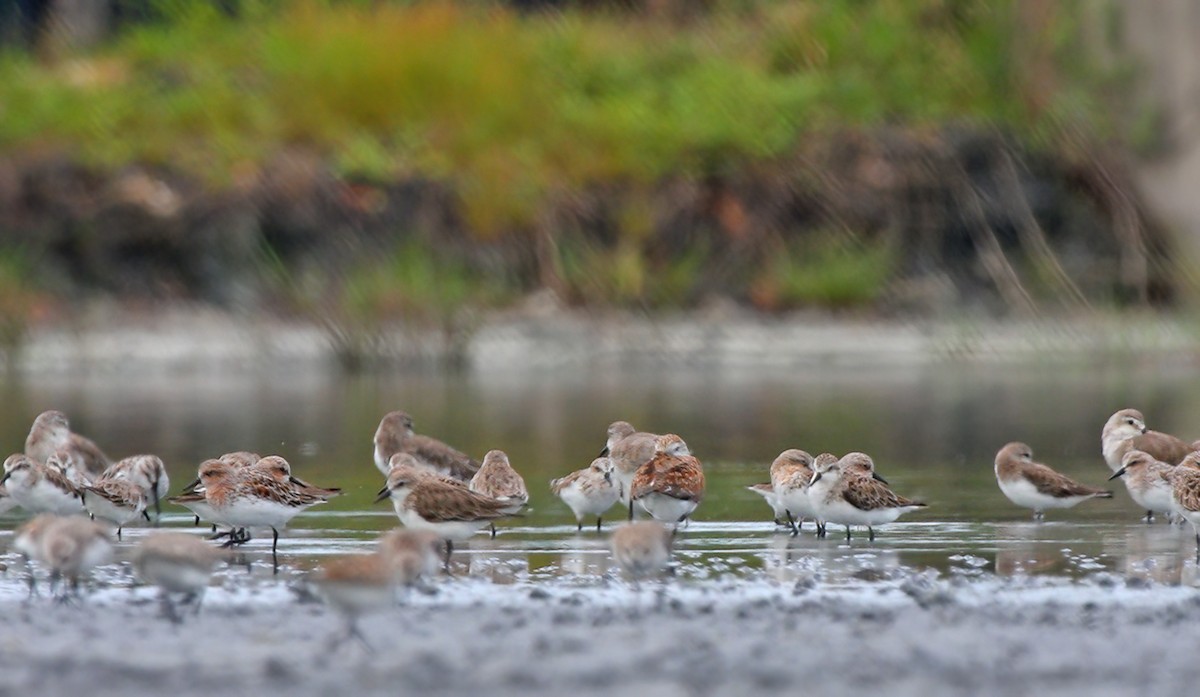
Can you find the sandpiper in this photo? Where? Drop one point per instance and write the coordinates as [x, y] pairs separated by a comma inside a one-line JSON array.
[[413, 554], [1148, 481], [841, 494], [1126, 430], [280, 470], [38, 488], [27, 541], [1034, 485], [425, 502], [627, 449], [176, 563], [395, 435], [71, 467], [146, 471], [253, 497], [52, 432], [671, 485], [790, 474], [643, 548], [767, 491], [119, 501], [497, 478], [355, 585], [70, 547], [1185, 499], [589, 491]]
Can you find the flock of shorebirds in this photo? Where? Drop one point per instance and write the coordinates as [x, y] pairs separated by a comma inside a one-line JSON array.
[[441, 496]]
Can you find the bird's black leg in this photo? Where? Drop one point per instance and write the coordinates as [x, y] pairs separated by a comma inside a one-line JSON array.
[[599, 520], [847, 533], [870, 533], [792, 524], [275, 548]]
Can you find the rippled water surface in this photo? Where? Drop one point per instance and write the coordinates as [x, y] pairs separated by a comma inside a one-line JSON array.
[[933, 432]]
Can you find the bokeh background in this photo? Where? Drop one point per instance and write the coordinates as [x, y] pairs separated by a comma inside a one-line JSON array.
[[399, 186]]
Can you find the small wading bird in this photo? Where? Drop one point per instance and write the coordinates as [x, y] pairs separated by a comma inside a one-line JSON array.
[[642, 549], [497, 479], [1148, 482], [257, 496], [176, 563], [671, 485], [1126, 430], [51, 433], [395, 435], [627, 449], [844, 492], [791, 473], [1034, 485], [1185, 496], [425, 501], [588, 492]]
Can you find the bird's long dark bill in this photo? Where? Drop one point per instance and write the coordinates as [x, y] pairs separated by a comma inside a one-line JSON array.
[[876, 476], [816, 478], [604, 452], [1116, 474], [5, 477], [191, 486], [383, 494]]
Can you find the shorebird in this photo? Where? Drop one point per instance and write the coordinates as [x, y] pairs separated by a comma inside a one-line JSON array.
[[70, 467], [146, 471], [176, 563], [252, 497], [413, 554], [587, 492], [280, 470], [70, 547], [790, 474], [643, 548], [1126, 430], [767, 491], [119, 501], [38, 488], [497, 478], [27, 541], [7, 503], [1034, 485], [1185, 498], [51, 432], [671, 485], [395, 435], [627, 449], [425, 502], [1148, 481], [841, 493], [355, 585]]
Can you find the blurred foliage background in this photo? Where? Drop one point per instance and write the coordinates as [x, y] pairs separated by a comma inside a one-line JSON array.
[[424, 162]]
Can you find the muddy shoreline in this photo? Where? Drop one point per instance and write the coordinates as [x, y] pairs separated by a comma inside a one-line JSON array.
[[197, 340], [913, 635]]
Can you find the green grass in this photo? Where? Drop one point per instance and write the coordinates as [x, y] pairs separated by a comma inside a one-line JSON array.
[[827, 272], [511, 109]]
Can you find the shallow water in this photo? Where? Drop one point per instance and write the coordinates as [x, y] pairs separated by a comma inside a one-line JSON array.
[[933, 432]]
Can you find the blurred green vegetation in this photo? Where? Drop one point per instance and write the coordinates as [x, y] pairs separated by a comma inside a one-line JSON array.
[[515, 111], [511, 107], [830, 272]]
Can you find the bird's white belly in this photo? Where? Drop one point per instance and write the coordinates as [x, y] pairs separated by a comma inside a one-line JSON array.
[[666, 508], [1021, 492], [447, 530]]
